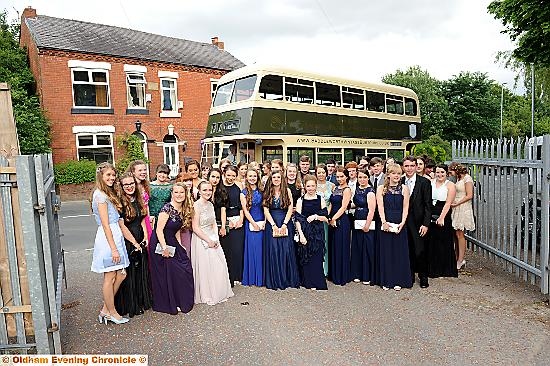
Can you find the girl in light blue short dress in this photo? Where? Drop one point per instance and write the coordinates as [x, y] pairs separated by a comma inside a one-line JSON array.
[[102, 257]]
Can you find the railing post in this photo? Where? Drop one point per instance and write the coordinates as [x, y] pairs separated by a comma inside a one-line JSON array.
[[545, 214]]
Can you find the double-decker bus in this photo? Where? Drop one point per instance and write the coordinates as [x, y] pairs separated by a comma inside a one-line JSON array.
[[261, 113]]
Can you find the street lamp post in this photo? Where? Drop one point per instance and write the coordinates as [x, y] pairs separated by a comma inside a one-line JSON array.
[[501, 107]]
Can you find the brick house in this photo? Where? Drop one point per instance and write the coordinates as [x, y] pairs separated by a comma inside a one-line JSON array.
[[97, 82]]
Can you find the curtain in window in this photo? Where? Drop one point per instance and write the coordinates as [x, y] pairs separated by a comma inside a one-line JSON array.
[[101, 96]]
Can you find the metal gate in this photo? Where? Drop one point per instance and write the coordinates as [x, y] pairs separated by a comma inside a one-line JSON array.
[[511, 202], [34, 256]]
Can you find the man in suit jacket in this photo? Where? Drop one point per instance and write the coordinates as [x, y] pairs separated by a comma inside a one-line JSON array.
[[377, 176], [418, 220]]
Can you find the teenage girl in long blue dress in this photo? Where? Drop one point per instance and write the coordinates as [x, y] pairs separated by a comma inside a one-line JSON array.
[[339, 230], [311, 213], [362, 242], [251, 201], [281, 270], [393, 206]]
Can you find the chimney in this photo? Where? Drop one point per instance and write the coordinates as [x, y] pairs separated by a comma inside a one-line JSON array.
[[216, 42], [29, 12]]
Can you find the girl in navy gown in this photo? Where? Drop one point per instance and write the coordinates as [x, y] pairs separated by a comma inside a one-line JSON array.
[[172, 277], [251, 201], [280, 267], [233, 242], [339, 230], [362, 244], [311, 213], [393, 206]]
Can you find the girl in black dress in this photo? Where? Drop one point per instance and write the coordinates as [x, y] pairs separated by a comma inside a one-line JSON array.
[[311, 213], [233, 242], [294, 182], [134, 295]]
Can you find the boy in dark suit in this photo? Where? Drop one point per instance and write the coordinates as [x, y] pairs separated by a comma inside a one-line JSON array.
[[418, 220]]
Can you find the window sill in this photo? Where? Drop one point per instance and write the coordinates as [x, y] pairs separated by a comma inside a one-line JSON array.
[[170, 114], [92, 111], [137, 111]]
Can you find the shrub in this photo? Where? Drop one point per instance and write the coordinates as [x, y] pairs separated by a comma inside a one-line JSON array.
[[75, 172], [133, 150], [435, 147]]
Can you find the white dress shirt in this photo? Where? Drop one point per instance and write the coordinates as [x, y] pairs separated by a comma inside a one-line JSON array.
[[410, 183]]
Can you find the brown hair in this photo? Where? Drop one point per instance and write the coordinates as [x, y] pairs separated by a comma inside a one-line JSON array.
[[187, 210], [304, 158], [110, 192], [182, 177], [145, 183], [248, 187], [341, 169], [298, 182], [269, 191], [352, 164], [192, 162], [127, 206], [461, 170], [309, 177]]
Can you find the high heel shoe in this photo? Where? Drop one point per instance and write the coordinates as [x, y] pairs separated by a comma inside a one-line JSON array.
[[461, 264], [102, 317], [122, 320]]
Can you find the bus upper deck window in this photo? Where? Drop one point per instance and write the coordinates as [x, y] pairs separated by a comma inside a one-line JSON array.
[[271, 87], [375, 101], [223, 94], [394, 104], [243, 88], [410, 107]]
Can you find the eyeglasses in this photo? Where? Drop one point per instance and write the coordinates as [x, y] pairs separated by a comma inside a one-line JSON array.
[[129, 184], [204, 169]]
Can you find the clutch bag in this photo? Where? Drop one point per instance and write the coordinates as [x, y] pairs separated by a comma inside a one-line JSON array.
[[171, 250], [435, 218], [261, 224], [279, 234], [234, 219], [360, 224], [393, 228], [108, 262]]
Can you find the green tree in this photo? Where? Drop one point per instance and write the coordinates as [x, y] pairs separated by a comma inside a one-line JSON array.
[[435, 147], [131, 145], [434, 110], [474, 103], [527, 22], [33, 128]]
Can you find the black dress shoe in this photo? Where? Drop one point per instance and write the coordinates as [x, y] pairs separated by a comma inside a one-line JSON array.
[[424, 282]]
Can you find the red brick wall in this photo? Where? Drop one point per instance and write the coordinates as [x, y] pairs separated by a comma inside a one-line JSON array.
[[53, 75]]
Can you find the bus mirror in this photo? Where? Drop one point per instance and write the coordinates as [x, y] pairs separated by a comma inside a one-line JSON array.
[[258, 141]]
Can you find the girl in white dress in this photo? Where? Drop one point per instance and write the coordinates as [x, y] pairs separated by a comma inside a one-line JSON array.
[[210, 271], [110, 256]]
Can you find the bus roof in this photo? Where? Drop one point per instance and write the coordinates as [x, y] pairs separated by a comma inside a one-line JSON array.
[[285, 71]]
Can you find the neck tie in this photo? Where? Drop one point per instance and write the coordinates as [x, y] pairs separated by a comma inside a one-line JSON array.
[[375, 185]]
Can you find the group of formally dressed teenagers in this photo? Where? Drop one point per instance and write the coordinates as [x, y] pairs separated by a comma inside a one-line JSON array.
[[168, 245]]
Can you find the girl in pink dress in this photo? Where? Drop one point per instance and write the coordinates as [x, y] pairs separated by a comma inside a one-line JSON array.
[[139, 169]]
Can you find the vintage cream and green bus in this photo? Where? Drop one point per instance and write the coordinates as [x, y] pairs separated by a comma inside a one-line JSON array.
[[261, 113]]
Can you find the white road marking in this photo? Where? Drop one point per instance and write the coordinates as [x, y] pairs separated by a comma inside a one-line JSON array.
[[75, 216]]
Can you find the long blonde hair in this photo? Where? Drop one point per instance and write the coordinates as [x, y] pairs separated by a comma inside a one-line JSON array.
[[187, 210], [392, 168], [110, 192], [248, 187]]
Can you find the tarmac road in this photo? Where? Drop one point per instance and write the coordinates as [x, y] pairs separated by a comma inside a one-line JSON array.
[[486, 316], [77, 226]]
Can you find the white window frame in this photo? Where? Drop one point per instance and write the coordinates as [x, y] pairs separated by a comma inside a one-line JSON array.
[[90, 73], [171, 76], [94, 145], [138, 83], [213, 86], [174, 165]]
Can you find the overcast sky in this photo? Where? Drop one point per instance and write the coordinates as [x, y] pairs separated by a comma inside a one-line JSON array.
[[356, 39]]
